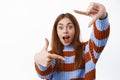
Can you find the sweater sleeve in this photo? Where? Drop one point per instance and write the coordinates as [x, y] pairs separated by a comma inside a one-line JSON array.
[[98, 38], [45, 72]]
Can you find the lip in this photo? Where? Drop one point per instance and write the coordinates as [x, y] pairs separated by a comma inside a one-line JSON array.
[[66, 38]]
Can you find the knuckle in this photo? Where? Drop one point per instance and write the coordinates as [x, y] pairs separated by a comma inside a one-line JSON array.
[[47, 60], [46, 64], [48, 55]]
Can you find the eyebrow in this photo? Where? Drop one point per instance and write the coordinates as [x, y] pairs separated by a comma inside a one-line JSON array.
[[62, 24]]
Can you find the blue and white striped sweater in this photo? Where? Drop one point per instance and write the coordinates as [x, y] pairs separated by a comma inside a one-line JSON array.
[[92, 51]]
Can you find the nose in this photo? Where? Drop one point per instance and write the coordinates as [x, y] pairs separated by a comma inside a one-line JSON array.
[[65, 30]]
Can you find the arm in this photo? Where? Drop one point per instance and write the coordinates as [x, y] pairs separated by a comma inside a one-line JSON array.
[[101, 29], [45, 62], [45, 72], [98, 38]]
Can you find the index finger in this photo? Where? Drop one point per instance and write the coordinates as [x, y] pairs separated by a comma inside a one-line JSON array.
[[55, 56], [81, 12]]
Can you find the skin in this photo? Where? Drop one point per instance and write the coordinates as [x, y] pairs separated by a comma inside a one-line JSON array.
[[95, 11], [65, 31]]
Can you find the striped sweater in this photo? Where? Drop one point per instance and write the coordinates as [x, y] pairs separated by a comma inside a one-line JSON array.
[[92, 50]]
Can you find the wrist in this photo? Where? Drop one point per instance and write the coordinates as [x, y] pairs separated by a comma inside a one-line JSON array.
[[104, 16]]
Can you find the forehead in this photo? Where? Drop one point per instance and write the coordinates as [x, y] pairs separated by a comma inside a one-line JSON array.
[[65, 21]]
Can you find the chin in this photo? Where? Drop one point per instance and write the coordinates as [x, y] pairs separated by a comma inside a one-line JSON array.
[[66, 44]]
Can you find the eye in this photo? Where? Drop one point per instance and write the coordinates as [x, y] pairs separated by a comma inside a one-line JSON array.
[[60, 27], [70, 26]]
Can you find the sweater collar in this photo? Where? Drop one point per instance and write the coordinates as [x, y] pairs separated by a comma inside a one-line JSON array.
[[68, 48]]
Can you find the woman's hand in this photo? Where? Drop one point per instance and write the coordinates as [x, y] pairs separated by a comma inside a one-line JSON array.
[[95, 11], [45, 58]]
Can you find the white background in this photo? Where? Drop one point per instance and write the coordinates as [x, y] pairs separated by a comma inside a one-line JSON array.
[[25, 23]]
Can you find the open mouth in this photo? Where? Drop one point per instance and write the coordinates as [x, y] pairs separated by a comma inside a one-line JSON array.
[[66, 38]]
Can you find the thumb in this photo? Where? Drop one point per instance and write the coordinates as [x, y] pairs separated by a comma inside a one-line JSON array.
[[46, 43], [92, 22]]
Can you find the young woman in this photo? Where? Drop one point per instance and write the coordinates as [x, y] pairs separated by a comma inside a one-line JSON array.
[[69, 58]]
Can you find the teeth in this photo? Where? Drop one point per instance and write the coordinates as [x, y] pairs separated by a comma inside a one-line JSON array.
[[66, 37]]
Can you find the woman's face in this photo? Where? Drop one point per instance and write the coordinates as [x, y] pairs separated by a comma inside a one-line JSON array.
[[65, 31]]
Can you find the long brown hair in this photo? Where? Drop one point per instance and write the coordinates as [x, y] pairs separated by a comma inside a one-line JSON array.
[[57, 46]]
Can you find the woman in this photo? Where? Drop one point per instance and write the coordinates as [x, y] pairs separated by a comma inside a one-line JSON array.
[[69, 58]]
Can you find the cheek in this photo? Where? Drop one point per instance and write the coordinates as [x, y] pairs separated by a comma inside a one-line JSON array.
[[72, 33], [72, 36]]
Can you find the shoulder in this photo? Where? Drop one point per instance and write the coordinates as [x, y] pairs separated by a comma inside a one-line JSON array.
[[84, 44]]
